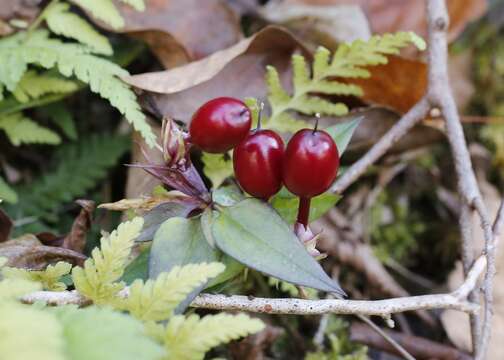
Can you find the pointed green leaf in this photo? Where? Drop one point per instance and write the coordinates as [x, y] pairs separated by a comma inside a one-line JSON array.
[[255, 235], [342, 133]]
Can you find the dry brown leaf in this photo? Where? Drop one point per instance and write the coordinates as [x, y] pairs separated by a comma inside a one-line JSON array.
[[76, 238], [237, 71], [28, 252], [5, 226], [320, 25], [141, 205], [178, 31], [400, 84], [394, 15], [19, 9]]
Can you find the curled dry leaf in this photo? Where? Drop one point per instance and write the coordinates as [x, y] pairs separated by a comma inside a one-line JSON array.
[[5, 226], [320, 25], [142, 205], [28, 252], [237, 71], [76, 239], [179, 31], [409, 15]]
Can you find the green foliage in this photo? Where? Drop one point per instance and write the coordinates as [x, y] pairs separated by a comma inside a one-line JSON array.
[[106, 11], [80, 167], [188, 338], [103, 334], [61, 116], [22, 130], [33, 86], [98, 279], [7, 193], [349, 60], [217, 168], [63, 22], [155, 300], [49, 278]]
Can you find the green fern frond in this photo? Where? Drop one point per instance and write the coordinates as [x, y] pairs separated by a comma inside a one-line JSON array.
[[80, 167], [217, 168], [188, 338], [106, 11], [62, 117], [33, 86], [21, 130], [48, 278], [155, 300], [285, 123], [14, 288], [7, 193], [73, 60], [65, 23], [349, 60], [98, 279]]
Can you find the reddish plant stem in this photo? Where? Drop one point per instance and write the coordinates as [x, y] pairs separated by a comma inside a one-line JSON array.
[[304, 211]]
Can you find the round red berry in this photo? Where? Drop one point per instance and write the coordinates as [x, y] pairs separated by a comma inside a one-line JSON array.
[[311, 163], [257, 163], [220, 124]]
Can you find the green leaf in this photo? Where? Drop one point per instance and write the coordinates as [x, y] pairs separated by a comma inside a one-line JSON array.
[[342, 133], [287, 205], [217, 168], [102, 334], [7, 193], [29, 333], [255, 235], [227, 195], [22, 130], [65, 23], [188, 338], [138, 268]]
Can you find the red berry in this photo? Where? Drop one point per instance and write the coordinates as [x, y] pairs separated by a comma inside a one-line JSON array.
[[311, 162], [257, 163], [220, 124]]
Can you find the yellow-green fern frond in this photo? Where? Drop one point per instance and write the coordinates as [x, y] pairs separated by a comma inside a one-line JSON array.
[[63, 22], [14, 288], [106, 11], [97, 280], [48, 278], [7, 193], [349, 60], [21, 130], [188, 338], [33, 86], [155, 300]]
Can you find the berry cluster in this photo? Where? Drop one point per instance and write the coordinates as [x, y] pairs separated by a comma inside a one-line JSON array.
[[307, 166]]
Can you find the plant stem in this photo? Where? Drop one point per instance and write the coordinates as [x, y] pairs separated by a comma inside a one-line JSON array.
[[304, 211]]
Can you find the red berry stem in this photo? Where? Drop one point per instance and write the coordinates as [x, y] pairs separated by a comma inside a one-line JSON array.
[[304, 210]]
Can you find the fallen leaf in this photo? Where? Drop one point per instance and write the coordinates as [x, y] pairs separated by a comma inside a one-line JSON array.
[[253, 347], [76, 238], [409, 15], [142, 205], [28, 252], [237, 71], [5, 226], [19, 9], [5, 29], [177, 29], [320, 25], [400, 84]]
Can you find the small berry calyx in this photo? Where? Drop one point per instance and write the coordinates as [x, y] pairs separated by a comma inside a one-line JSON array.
[[220, 124], [310, 166], [257, 163]]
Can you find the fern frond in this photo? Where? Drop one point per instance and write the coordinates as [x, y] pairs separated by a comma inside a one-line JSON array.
[[97, 280], [65, 23], [285, 123], [11, 289], [73, 60], [21, 130], [33, 86], [48, 278], [61, 116], [216, 168], [7, 193], [103, 10], [155, 300], [349, 60], [80, 166], [188, 338]]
